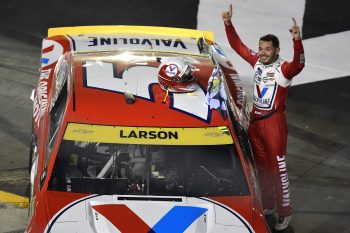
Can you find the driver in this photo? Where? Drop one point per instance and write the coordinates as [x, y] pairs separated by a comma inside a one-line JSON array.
[[268, 128]]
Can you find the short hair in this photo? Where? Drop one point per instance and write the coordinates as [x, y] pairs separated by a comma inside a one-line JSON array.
[[269, 37]]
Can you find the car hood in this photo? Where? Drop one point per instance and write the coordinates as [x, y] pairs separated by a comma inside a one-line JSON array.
[[147, 214]]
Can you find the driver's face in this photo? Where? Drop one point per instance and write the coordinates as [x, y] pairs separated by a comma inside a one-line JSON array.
[[267, 52]]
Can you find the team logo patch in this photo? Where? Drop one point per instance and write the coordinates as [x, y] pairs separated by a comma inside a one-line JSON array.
[[171, 70], [259, 71], [257, 79], [262, 92]]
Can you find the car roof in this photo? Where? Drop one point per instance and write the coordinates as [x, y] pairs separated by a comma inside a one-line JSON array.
[[107, 63], [102, 79]]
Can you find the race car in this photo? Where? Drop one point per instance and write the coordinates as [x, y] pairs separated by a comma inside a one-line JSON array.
[[140, 129]]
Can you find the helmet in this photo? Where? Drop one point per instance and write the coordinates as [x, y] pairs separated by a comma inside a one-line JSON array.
[[175, 75]]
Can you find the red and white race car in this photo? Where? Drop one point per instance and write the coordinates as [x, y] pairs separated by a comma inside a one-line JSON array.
[[140, 129]]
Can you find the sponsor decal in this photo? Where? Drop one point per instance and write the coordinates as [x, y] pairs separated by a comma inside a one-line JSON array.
[[51, 52], [261, 101], [257, 75], [148, 135], [176, 220], [82, 131], [270, 74], [45, 60], [257, 78], [40, 99], [224, 130], [259, 71], [108, 215], [252, 52], [229, 63], [239, 89], [171, 70], [302, 58], [214, 134], [261, 93], [284, 179], [105, 41], [102, 42], [264, 95], [219, 51]]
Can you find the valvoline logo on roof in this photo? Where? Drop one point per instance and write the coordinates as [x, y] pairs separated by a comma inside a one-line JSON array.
[[176, 220]]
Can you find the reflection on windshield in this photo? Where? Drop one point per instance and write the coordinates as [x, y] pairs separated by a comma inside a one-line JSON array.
[[125, 169]]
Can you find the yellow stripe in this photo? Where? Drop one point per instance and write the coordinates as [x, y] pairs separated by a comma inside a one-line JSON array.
[[14, 199], [148, 135], [121, 29]]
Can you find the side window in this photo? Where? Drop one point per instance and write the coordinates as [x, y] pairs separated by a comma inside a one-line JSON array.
[[244, 142], [56, 116], [59, 101], [243, 139]]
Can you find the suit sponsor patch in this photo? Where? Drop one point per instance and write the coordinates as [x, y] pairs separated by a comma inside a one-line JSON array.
[[270, 74], [302, 58]]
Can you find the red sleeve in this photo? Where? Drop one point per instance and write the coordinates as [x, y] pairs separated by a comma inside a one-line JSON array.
[[291, 69], [240, 48]]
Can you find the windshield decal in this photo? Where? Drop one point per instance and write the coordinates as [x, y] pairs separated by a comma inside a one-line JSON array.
[[98, 42], [148, 135]]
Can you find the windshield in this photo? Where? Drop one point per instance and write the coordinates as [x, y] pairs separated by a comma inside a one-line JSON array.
[[136, 169]]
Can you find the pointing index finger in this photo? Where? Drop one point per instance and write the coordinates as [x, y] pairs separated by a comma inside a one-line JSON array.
[[294, 21], [230, 9]]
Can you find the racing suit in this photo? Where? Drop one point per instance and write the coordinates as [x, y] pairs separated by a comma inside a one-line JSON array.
[[268, 129]]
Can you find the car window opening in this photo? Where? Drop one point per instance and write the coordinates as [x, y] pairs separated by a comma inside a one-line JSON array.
[[157, 170]]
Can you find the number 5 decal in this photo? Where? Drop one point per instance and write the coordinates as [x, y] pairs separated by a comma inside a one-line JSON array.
[[138, 80]]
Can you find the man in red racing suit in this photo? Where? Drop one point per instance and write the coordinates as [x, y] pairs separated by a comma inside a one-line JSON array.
[[268, 129]]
